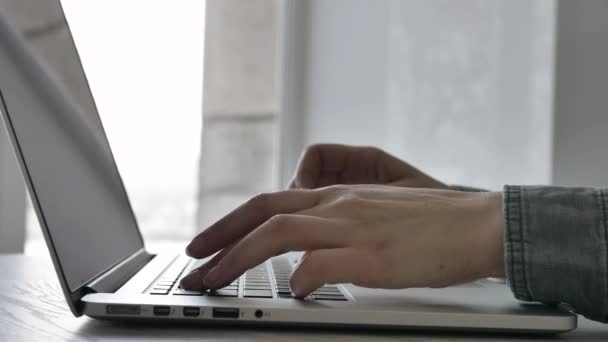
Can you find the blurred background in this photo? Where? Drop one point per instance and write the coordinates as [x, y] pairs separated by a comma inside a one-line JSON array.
[[206, 103]]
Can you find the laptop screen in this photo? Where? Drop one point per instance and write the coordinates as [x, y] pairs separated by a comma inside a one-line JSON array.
[[75, 185]]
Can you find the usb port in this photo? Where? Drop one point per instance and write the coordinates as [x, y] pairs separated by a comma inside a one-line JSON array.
[[191, 311], [225, 313], [162, 310]]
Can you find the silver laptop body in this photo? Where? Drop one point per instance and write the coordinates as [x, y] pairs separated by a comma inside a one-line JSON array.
[[105, 271]]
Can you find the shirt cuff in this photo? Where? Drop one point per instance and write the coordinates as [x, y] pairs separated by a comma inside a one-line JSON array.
[[556, 246]]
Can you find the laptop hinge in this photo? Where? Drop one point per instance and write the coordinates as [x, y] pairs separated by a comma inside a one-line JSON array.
[[115, 277]]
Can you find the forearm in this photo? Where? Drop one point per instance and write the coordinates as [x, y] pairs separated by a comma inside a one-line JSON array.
[[466, 188], [555, 246]]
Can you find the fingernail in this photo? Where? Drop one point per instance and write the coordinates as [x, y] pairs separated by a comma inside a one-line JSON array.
[[295, 290], [191, 281], [294, 286], [212, 278]]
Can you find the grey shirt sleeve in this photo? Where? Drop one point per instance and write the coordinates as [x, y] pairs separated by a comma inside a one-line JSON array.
[[556, 246]]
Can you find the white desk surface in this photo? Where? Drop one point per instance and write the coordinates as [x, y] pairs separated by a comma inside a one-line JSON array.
[[33, 309]]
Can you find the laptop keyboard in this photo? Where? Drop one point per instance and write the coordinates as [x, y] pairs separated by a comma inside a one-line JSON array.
[[269, 280]]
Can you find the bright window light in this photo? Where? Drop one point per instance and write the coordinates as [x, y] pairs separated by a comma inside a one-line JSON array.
[[144, 63]]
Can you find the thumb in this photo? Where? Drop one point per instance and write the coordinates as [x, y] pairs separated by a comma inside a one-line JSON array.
[[327, 266]]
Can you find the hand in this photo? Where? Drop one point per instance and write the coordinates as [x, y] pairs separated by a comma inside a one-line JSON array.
[[328, 164], [368, 235]]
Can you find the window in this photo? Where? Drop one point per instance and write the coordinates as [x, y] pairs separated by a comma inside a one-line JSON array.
[[462, 90], [144, 63]]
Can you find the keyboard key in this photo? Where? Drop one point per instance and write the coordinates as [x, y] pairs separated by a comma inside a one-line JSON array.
[[258, 293], [180, 292], [223, 293], [162, 287], [256, 279], [328, 294], [258, 285], [286, 296], [328, 297], [231, 287], [159, 292], [336, 291], [261, 283]]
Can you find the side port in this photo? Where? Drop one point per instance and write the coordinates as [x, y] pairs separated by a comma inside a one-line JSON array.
[[118, 309], [191, 311], [162, 310], [259, 313], [225, 313]]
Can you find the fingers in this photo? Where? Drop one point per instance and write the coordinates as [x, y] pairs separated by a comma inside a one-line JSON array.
[[308, 169], [330, 266], [318, 160], [194, 280], [247, 217], [278, 235], [328, 164]]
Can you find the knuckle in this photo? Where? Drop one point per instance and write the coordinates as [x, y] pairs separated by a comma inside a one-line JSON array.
[[278, 226], [260, 201], [278, 222], [333, 190], [372, 149], [375, 151], [312, 149], [349, 200]]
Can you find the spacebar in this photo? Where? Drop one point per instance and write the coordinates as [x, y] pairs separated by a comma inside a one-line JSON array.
[[258, 293]]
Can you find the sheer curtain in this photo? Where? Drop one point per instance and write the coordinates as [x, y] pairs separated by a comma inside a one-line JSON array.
[[462, 89]]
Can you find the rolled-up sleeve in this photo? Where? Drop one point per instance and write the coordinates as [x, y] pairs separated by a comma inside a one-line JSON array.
[[556, 246]]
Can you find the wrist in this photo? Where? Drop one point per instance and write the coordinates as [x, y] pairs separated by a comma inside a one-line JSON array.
[[492, 233]]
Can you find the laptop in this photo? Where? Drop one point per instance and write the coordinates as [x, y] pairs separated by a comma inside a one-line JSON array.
[[103, 266]]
